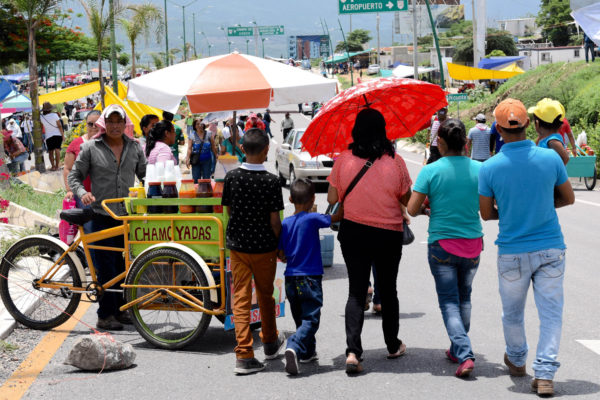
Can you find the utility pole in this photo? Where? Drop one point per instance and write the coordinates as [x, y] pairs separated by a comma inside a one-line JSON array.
[[113, 47], [347, 53], [184, 46], [415, 44], [255, 37], [475, 53], [194, 16], [166, 36], [378, 42]]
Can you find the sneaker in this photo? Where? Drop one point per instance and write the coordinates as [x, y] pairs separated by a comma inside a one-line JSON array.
[[109, 324], [450, 357], [272, 349], [465, 368], [291, 362], [124, 318], [513, 370], [245, 366], [310, 359], [543, 387]]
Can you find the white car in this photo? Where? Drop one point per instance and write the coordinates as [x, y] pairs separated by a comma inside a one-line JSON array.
[[373, 69], [291, 162]]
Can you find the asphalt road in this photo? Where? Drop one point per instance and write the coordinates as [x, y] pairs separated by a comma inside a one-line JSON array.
[[206, 369]]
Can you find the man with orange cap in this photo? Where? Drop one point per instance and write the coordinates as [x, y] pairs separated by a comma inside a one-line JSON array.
[[517, 186]]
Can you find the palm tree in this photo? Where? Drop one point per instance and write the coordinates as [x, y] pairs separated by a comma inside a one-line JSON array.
[[158, 60], [144, 17], [34, 13], [99, 26]]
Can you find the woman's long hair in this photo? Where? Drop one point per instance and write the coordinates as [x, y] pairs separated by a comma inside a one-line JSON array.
[[198, 122], [157, 134], [454, 134], [370, 139]]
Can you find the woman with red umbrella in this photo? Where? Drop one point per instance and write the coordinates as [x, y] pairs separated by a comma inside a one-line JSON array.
[[373, 184]]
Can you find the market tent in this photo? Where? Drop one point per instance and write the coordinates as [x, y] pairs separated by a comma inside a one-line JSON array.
[[16, 78], [112, 98], [589, 19], [498, 63], [404, 71], [5, 88], [512, 68], [16, 102], [463, 73], [70, 94], [344, 57]]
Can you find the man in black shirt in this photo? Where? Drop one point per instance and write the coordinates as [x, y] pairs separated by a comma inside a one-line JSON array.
[[253, 200]]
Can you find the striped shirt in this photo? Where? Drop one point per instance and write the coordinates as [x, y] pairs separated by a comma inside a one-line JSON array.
[[480, 142]]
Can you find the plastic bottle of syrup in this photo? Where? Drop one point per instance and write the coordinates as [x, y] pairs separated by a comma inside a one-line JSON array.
[[187, 191], [155, 192], [204, 190], [170, 192]]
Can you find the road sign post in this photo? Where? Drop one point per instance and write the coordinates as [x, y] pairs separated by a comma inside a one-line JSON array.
[[249, 30], [367, 6], [457, 98]]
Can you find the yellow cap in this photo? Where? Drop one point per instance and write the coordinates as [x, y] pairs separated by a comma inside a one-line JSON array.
[[547, 110]]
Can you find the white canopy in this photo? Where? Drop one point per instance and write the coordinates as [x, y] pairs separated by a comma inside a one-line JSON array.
[[403, 71]]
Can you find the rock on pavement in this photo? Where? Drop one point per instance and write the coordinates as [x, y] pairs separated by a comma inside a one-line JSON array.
[[97, 352]]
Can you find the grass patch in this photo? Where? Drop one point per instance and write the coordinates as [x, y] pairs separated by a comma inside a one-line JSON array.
[[25, 196], [5, 346], [345, 82]]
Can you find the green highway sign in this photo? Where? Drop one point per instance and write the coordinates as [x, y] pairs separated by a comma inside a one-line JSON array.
[[270, 30], [240, 31], [249, 30], [459, 97], [369, 6]]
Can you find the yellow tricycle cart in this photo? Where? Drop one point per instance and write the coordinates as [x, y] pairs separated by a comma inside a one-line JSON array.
[[177, 272]]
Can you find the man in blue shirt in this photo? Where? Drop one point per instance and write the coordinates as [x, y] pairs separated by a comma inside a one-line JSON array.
[[496, 141], [589, 45], [299, 246], [522, 180]]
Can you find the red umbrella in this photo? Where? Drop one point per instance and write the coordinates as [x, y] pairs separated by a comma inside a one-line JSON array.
[[406, 104]]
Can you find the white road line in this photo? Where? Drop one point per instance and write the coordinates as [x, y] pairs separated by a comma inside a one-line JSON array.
[[593, 345], [587, 202]]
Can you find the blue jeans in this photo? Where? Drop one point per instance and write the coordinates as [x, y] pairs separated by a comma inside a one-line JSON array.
[[590, 48], [189, 130], [305, 294], [545, 268], [201, 170], [453, 278], [18, 163]]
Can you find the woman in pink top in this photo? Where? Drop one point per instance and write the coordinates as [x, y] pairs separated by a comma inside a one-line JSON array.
[[371, 231], [158, 143]]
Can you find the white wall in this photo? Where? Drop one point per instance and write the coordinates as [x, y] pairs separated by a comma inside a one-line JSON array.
[[537, 57]]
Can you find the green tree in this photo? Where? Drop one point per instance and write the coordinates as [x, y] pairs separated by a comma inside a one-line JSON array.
[[555, 20], [496, 53], [495, 41], [158, 60], [143, 19], [33, 13], [355, 39], [123, 59]]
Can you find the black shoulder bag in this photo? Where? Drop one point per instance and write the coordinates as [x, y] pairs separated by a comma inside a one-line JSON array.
[[332, 209]]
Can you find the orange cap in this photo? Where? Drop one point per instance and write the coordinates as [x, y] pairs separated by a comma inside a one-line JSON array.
[[511, 113]]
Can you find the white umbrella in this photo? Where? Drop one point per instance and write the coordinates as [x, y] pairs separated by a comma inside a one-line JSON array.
[[229, 82]]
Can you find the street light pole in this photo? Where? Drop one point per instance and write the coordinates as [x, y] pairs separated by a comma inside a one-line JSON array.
[[113, 47], [255, 37], [183, 14], [194, 16], [263, 45], [247, 41], [166, 36]]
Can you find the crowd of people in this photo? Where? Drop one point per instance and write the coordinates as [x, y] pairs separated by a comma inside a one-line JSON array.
[[492, 173]]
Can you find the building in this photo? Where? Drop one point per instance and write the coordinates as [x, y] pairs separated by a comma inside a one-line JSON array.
[[534, 57], [520, 27]]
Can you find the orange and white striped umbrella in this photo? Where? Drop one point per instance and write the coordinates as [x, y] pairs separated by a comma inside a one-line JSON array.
[[229, 82]]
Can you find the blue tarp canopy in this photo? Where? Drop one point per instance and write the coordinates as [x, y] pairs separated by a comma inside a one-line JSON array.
[[16, 78], [16, 102], [5, 88], [343, 57], [496, 62]]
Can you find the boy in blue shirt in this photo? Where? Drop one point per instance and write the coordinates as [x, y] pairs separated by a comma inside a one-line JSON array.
[[548, 116], [299, 246]]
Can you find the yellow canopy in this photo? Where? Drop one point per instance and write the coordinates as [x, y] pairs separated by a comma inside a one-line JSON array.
[[69, 94], [512, 68], [463, 73]]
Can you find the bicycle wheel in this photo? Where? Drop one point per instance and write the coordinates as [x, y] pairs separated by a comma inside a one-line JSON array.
[[167, 322], [38, 307], [590, 182]]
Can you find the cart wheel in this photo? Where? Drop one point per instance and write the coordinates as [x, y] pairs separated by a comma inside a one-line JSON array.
[[167, 322], [37, 307], [590, 183]]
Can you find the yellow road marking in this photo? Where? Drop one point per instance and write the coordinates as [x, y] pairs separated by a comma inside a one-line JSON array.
[[19, 382]]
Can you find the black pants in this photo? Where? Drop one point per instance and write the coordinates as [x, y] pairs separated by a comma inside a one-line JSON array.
[[286, 132], [108, 264], [434, 154], [363, 246]]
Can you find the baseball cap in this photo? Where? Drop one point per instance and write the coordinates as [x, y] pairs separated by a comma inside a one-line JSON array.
[[511, 113], [480, 117], [548, 110], [113, 108]]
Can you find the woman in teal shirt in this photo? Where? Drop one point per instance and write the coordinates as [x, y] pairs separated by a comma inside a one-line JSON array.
[[455, 235]]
